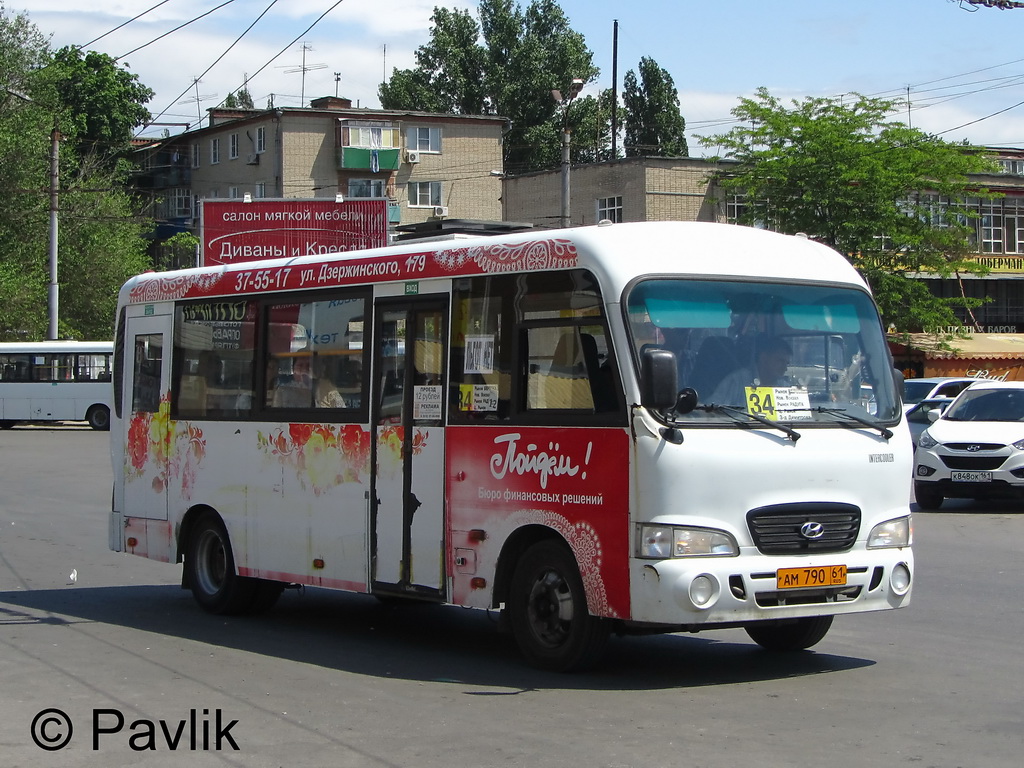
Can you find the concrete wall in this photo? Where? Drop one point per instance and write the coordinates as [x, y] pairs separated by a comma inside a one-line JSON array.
[[652, 189]]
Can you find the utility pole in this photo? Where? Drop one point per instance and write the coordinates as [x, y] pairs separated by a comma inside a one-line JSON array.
[[615, 90], [53, 292], [574, 91]]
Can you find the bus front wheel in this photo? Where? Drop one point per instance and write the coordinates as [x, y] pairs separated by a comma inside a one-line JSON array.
[[795, 635], [210, 569], [548, 612]]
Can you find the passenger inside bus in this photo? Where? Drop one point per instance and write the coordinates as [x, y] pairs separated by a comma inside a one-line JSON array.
[[298, 391], [327, 394]]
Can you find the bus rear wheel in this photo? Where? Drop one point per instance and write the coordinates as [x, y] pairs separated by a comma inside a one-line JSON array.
[[548, 612], [99, 417], [210, 570], [787, 636]]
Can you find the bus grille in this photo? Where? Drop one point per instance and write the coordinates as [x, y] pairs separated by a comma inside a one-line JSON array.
[[777, 529]]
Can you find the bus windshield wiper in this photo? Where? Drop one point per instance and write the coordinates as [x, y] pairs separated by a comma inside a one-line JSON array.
[[886, 433], [792, 434]]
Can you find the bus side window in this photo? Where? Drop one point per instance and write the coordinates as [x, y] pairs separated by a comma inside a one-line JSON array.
[[148, 369]]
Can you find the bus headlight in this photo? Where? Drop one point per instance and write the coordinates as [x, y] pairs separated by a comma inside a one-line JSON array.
[[661, 542], [892, 533]]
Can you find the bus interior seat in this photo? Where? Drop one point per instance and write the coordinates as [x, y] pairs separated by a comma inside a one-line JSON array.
[[601, 384]]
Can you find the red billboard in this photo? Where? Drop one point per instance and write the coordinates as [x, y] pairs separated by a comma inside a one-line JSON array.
[[234, 231]]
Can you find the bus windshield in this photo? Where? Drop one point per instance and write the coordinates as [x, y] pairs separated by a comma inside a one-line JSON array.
[[801, 353]]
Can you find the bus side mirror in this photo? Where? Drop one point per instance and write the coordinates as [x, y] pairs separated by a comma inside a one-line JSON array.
[[900, 381], [659, 386]]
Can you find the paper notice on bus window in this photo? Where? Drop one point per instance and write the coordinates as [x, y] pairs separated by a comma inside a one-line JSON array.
[[785, 403], [426, 403], [478, 397], [479, 355]]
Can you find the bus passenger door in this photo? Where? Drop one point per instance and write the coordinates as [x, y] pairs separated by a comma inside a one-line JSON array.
[[407, 513], [146, 418]]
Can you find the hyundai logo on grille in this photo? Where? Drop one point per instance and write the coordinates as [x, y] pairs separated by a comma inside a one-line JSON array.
[[973, 448], [812, 530]]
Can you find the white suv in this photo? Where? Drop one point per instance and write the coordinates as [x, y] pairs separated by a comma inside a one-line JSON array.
[[975, 449]]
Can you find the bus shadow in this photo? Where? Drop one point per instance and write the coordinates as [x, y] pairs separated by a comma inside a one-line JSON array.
[[358, 634]]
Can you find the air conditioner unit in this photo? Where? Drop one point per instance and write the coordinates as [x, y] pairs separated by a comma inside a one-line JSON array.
[[412, 156], [440, 210], [252, 159]]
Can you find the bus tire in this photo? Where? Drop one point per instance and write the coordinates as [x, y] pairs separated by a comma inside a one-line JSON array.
[[547, 607], [927, 498], [99, 417], [788, 636], [210, 569]]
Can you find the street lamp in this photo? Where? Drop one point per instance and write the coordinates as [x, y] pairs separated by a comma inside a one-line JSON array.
[[574, 91], [52, 291]]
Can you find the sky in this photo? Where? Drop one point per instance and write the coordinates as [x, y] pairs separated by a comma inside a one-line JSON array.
[[960, 65]]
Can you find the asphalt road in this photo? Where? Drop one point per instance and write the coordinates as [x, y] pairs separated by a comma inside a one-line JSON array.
[[327, 679]]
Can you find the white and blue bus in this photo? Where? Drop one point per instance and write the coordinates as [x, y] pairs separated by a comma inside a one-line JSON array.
[[47, 381]]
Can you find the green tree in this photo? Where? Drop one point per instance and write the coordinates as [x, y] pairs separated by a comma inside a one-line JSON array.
[[654, 124], [845, 173], [100, 235], [98, 104], [240, 99], [507, 64]]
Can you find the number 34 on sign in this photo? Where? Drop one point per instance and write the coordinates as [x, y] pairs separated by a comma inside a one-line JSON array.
[[778, 402]]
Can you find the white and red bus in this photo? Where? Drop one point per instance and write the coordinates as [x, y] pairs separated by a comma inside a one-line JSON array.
[[529, 422], [46, 381]]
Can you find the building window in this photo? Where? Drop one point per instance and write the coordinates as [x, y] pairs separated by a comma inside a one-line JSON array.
[[365, 188], [260, 190], [261, 140], [232, 192], [214, 151], [180, 204], [610, 208], [233, 146], [423, 139], [424, 193], [196, 155], [369, 135], [1013, 167]]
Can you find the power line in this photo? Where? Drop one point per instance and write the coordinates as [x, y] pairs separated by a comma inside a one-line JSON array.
[[225, 53], [136, 18], [180, 26]]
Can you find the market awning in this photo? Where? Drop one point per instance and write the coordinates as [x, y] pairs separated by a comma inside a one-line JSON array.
[[981, 346]]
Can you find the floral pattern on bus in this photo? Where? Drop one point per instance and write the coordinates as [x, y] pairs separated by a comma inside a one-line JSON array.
[[586, 546], [161, 288], [389, 447], [323, 456], [491, 257], [176, 449]]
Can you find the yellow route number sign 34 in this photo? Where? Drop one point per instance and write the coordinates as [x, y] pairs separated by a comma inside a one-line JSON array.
[[787, 403]]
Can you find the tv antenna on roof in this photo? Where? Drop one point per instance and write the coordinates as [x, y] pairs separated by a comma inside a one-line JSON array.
[[198, 99], [304, 69]]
